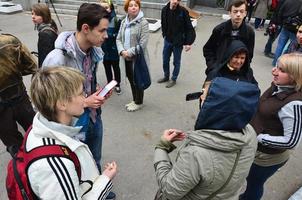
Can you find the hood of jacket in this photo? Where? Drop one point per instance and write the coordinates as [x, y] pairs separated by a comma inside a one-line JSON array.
[[43, 26], [221, 140], [42, 127], [139, 16], [68, 43], [234, 47], [229, 105]]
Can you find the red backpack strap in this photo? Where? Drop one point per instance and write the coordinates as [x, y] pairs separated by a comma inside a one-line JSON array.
[[49, 151], [52, 151]]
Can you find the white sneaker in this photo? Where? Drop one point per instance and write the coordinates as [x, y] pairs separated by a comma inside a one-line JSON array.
[[134, 107], [129, 104]]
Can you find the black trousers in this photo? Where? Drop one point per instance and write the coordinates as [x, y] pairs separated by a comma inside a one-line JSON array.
[[137, 94], [250, 9], [20, 111], [116, 69]]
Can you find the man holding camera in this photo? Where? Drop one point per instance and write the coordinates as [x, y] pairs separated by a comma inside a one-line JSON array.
[[289, 11]]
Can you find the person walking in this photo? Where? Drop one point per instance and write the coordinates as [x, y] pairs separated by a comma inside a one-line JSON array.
[[47, 28], [260, 13], [178, 33], [273, 29], [133, 34], [288, 11], [250, 9]]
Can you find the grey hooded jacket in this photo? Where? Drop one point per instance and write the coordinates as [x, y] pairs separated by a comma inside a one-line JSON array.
[[139, 34], [68, 53], [203, 164]]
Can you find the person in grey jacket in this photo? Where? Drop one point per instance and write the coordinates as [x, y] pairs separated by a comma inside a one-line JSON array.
[[211, 163], [81, 50], [133, 34]]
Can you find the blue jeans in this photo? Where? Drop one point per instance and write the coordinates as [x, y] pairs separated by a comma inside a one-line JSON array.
[[284, 36], [169, 48], [259, 22], [256, 179], [94, 139]]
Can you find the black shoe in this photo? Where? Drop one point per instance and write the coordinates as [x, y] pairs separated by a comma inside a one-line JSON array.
[[162, 80], [269, 55], [111, 196], [171, 83], [118, 90]]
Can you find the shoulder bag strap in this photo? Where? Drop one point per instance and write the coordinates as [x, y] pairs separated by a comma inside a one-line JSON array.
[[229, 178]]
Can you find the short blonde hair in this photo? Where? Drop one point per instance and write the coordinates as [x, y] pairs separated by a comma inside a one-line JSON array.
[[54, 84], [292, 65]]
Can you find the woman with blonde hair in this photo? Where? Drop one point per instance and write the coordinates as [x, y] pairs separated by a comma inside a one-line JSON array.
[[47, 28], [133, 34], [277, 123]]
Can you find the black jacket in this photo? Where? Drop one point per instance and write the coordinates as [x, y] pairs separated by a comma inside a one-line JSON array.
[[221, 38], [185, 33], [222, 70], [288, 8], [46, 41]]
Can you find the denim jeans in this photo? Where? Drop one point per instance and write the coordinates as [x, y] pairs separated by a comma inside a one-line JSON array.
[[259, 22], [284, 36], [270, 41], [94, 139], [169, 48], [258, 175]]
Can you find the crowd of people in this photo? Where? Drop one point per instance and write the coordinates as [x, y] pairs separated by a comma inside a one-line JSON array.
[[238, 135]]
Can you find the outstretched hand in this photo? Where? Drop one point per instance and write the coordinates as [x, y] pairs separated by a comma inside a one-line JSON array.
[[110, 170], [173, 135]]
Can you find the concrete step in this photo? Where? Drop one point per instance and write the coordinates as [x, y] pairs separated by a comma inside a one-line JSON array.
[[65, 11], [69, 2], [66, 6], [151, 9], [77, 2]]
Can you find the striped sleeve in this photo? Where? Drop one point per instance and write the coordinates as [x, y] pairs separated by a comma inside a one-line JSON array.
[[101, 188], [290, 116], [54, 177]]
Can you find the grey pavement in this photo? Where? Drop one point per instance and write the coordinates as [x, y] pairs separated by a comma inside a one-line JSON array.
[[129, 138]]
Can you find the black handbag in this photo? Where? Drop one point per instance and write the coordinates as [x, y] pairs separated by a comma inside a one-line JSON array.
[[142, 78]]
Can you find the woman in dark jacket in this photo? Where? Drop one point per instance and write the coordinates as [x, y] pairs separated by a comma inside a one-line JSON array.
[[47, 28], [235, 65]]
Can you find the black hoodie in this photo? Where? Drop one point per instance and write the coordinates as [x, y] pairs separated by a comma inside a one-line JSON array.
[[244, 74]]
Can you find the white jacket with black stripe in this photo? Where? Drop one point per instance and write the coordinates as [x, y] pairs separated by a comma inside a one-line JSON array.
[[56, 177]]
